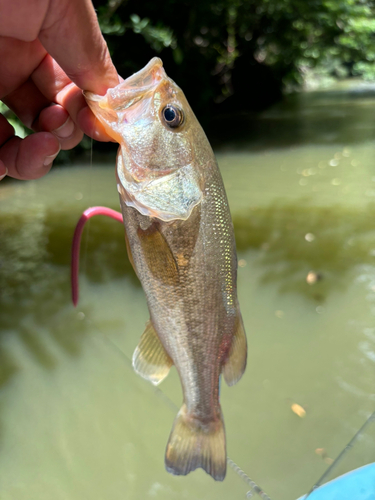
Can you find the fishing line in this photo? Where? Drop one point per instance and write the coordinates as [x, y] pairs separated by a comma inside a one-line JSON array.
[[348, 447], [253, 485], [87, 235]]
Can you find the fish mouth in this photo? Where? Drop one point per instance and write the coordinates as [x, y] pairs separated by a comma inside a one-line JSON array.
[[131, 90]]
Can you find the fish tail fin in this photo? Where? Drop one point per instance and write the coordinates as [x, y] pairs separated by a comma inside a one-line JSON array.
[[194, 444]]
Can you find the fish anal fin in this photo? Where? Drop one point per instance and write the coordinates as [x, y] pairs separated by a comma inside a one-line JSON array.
[[235, 364], [150, 359], [193, 444]]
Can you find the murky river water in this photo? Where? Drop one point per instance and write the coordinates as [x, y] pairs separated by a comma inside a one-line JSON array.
[[75, 421]]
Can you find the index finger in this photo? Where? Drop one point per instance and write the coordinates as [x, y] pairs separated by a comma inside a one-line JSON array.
[[71, 35]]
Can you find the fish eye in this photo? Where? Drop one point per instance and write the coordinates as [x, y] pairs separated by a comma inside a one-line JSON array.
[[173, 116]]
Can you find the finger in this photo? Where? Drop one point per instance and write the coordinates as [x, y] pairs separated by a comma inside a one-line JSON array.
[[27, 102], [84, 55], [38, 114], [88, 122], [18, 61], [55, 85], [29, 158], [3, 171], [6, 130], [56, 119], [22, 20]]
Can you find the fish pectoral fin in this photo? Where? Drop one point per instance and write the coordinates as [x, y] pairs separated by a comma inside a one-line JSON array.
[[150, 359], [193, 444], [158, 255], [235, 364]]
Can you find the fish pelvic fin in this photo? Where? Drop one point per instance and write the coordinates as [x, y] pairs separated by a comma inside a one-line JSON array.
[[150, 359], [235, 364], [194, 444]]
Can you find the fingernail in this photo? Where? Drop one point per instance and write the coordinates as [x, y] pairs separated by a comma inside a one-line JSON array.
[[66, 130], [49, 159], [3, 175]]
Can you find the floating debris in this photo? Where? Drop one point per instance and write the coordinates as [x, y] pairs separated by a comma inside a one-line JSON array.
[[279, 314], [313, 277], [242, 263], [309, 237], [298, 410], [321, 451]]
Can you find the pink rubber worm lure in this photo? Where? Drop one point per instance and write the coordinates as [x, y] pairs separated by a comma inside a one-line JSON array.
[[87, 214]]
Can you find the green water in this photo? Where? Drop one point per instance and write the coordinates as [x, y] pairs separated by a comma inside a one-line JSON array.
[[76, 423]]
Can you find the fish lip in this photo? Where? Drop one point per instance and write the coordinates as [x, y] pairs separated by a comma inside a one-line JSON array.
[[132, 89], [153, 69], [91, 96]]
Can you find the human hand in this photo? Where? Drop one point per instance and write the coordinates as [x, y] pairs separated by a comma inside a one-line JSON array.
[[50, 50]]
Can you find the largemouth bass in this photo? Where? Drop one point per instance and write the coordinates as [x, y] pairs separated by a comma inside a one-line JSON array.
[[181, 243]]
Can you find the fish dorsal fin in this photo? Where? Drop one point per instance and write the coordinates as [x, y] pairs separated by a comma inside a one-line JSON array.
[[235, 364], [150, 360]]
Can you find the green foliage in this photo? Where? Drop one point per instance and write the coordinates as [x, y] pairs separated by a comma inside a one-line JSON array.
[[240, 54], [364, 69], [292, 38], [157, 37], [18, 126]]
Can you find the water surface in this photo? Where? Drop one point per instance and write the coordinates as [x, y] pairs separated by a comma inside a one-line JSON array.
[[77, 423]]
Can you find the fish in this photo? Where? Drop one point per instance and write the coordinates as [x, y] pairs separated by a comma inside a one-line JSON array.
[[180, 241]]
